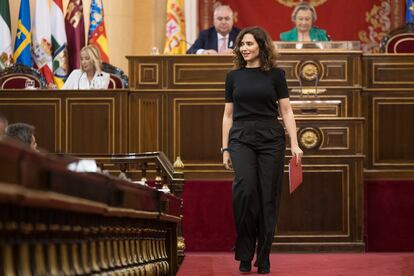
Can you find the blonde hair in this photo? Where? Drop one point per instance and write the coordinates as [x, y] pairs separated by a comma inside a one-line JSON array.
[[95, 55], [304, 6]]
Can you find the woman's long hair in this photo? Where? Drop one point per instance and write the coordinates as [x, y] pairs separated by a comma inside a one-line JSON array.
[[267, 51], [94, 55]]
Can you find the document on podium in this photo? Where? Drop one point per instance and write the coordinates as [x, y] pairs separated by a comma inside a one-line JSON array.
[[295, 174]]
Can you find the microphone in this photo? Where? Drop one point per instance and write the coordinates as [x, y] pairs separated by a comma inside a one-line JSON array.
[[231, 44]]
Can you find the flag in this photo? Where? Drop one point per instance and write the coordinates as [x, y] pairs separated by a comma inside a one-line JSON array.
[[409, 14], [41, 40], [75, 32], [175, 28], [59, 44], [5, 33], [23, 36], [97, 33]]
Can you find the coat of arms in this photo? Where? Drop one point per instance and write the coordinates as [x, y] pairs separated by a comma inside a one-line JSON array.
[[292, 3]]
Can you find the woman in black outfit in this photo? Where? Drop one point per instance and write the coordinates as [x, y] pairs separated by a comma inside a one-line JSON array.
[[254, 144]]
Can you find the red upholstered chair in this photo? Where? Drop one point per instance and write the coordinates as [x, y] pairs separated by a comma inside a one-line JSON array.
[[118, 77], [400, 40], [15, 76]]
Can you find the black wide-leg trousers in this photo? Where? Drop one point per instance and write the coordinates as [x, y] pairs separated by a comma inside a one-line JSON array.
[[257, 151]]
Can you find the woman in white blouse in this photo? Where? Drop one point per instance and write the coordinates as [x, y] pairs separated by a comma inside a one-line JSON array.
[[90, 76]]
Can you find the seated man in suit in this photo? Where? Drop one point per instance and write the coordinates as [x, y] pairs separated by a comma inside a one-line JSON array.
[[304, 16], [23, 133], [218, 39]]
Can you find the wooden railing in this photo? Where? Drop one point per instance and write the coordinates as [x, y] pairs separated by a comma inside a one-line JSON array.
[[57, 222], [148, 168]]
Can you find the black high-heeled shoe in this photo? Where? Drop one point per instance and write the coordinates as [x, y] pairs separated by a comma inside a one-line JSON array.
[[245, 266], [263, 270]]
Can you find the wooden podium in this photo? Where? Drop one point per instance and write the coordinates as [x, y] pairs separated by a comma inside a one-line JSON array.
[[176, 104], [347, 106]]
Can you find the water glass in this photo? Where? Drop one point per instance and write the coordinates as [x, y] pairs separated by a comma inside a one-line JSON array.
[[30, 84]]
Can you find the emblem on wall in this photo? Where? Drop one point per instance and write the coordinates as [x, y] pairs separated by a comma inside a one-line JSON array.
[[310, 138], [292, 3]]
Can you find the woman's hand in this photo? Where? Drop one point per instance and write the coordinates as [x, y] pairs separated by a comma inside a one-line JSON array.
[[227, 161], [296, 152]]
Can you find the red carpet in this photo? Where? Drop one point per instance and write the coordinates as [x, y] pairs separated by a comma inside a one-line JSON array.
[[356, 264]]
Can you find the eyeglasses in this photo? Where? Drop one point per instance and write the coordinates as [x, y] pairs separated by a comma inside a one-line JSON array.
[[220, 18]]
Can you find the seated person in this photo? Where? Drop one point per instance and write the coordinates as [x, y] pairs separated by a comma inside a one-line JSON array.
[[23, 133], [3, 125], [218, 39], [304, 16], [90, 76]]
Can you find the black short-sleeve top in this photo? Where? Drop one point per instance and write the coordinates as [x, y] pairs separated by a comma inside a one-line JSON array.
[[254, 93]]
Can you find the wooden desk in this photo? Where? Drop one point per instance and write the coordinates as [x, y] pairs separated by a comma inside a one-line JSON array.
[[54, 221], [175, 105], [184, 95]]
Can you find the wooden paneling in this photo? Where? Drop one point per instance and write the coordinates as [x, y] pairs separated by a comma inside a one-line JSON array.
[[44, 113], [86, 117], [67, 121], [329, 125], [192, 117], [146, 124], [389, 71], [331, 102], [389, 145], [326, 208], [178, 72], [334, 69], [388, 105]]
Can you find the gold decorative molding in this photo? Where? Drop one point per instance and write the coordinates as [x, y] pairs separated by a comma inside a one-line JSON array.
[[207, 67], [309, 138], [110, 103], [309, 71], [153, 68], [329, 131], [376, 103], [329, 64], [344, 170], [177, 104], [388, 66], [38, 102]]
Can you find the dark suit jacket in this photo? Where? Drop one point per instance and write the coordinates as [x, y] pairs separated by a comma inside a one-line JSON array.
[[207, 39]]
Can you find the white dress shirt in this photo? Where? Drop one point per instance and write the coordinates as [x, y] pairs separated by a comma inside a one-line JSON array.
[[79, 80], [219, 37]]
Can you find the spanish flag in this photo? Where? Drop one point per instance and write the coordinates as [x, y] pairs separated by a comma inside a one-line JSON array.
[[97, 33], [175, 28], [23, 36]]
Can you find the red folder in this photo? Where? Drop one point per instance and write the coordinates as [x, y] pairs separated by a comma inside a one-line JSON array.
[[295, 174]]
